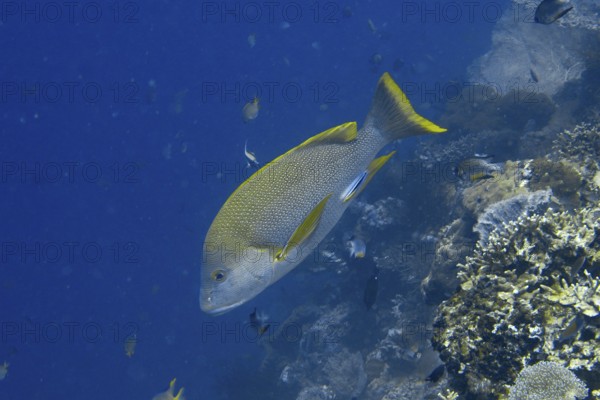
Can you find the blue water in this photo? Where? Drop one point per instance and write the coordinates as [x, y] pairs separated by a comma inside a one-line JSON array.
[[114, 126]]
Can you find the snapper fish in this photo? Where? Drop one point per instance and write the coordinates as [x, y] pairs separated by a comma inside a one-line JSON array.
[[280, 214]]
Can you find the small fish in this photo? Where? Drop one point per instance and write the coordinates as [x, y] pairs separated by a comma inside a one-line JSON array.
[[372, 26], [250, 110], [281, 213], [376, 59], [258, 322], [4, 370], [534, 76], [477, 168], [370, 293], [357, 247], [483, 155], [130, 344], [550, 10], [577, 265], [572, 329], [436, 374], [398, 64], [250, 157], [252, 40], [169, 393]]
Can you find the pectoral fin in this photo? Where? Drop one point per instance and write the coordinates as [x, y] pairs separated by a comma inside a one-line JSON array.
[[362, 180], [304, 230]]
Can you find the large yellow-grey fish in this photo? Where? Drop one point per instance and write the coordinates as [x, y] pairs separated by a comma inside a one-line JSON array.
[[278, 216]]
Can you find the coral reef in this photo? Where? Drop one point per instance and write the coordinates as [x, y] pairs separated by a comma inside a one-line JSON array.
[[562, 177], [547, 381], [513, 304], [553, 52], [325, 368], [316, 393], [497, 215], [510, 183], [456, 242]]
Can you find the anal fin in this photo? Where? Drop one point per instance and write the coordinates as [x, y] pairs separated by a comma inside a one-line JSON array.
[[361, 181]]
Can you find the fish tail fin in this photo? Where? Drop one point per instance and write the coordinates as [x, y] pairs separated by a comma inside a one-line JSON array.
[[392, 114]]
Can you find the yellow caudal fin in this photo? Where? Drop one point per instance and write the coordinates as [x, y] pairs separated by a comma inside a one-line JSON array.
[[392, 114], [304, 230], [179, 395]]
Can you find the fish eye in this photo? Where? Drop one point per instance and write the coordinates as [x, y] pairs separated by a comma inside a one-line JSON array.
[[218, 275]]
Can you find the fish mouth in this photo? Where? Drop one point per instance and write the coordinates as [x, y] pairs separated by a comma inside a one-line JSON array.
[[207, 308]]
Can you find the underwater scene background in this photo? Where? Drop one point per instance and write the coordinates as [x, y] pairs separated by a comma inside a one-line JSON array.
[[124, 130]]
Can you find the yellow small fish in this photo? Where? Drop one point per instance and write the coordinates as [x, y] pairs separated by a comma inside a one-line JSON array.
[[4, 370], [357, 247], [169, 393], [130, 344], [250, 110]]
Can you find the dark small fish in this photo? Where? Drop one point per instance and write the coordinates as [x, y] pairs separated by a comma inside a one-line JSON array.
[[477, 168], [550, 10], [398, 64], [436, 374], [577, 265], [370, 293], [572, 269], [534, 76], [257, 321], [572, 329]]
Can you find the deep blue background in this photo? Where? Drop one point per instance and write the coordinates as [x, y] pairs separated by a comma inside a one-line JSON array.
[[149, 210]]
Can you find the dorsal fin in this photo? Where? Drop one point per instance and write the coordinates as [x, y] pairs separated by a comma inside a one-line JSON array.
[[343, 133]]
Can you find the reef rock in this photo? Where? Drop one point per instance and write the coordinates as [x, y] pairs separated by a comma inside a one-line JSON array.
[[535, 58]]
